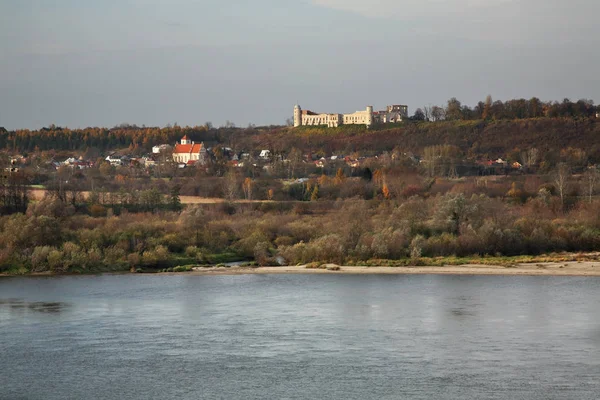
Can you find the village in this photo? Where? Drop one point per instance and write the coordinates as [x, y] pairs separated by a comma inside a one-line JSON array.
[[186, 155]]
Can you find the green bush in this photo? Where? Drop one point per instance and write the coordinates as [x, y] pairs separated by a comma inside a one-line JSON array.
[[183, 268]]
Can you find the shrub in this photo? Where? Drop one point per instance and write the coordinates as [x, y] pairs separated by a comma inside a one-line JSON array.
[[183, 268], [191, 251], [416, 247], [56, 261], [134, 260], [114, 255], [39, 258], [97, 211]]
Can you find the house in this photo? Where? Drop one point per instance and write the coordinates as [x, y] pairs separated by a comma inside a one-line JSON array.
[[351, 162], [148, 162], [160, 148], [265, 155], [114, 159], [187, 150]]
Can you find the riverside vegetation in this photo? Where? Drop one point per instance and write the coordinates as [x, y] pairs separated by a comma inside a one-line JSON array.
[[411, 231]]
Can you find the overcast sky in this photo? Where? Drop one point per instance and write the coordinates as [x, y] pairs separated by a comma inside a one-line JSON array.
[[81, 63]]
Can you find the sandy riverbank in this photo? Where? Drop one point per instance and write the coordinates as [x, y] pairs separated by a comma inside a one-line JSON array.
[[557, 269], [585, 268]]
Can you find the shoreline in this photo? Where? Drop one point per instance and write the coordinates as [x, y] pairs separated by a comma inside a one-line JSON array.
[[539, 269], [573, 268]]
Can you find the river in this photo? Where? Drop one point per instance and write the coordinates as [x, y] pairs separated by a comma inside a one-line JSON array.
[[299, 337]]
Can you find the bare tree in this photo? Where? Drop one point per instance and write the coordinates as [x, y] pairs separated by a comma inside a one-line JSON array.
[[591, 177], [561, 180], [230, 185], [295, 160], [437, 113], [441, 160], [529, 157], [427, 111]]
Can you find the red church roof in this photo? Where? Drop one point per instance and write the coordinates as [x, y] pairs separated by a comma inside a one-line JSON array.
[[188, 148]]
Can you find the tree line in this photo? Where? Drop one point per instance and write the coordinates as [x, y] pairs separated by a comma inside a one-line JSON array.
[[511, 109]]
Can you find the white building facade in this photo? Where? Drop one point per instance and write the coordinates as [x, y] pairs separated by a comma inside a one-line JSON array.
[[393, 113]]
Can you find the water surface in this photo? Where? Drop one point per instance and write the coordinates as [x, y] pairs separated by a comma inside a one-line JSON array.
[[300, 337]]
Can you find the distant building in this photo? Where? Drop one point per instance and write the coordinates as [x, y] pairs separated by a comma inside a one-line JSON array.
[[187, 151], [160, 148], [265, 154], [393, 113], [115, 160]]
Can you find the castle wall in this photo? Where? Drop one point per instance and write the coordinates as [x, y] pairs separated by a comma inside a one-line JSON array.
[[359, 118], [394, 113], [331, 120]]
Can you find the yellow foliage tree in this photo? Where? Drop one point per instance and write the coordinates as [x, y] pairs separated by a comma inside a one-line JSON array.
[[247, 187], [315, 194], [378, 177], [323, 180], [339, 176], [386, 191]]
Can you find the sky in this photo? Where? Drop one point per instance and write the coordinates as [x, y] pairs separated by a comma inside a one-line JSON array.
[[80, 63]]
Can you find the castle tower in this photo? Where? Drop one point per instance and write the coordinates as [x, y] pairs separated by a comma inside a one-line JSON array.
[[297, 116], [369, 115]]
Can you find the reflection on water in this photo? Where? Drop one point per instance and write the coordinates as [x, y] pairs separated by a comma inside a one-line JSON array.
[[53, 307], [300, 336]]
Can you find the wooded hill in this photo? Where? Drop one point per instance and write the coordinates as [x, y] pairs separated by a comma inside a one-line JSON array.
[[475, 138]]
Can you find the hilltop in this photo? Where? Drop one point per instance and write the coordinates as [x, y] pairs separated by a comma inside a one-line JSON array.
[[475, 138]]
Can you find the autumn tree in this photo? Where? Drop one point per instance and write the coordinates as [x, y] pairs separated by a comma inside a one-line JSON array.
[[487, 108], [315, 194], [339, 177], [378, 177], [385, 191], [247, 187], [454, 109]]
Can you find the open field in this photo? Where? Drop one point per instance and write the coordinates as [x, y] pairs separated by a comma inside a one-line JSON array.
[[38, 194]]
